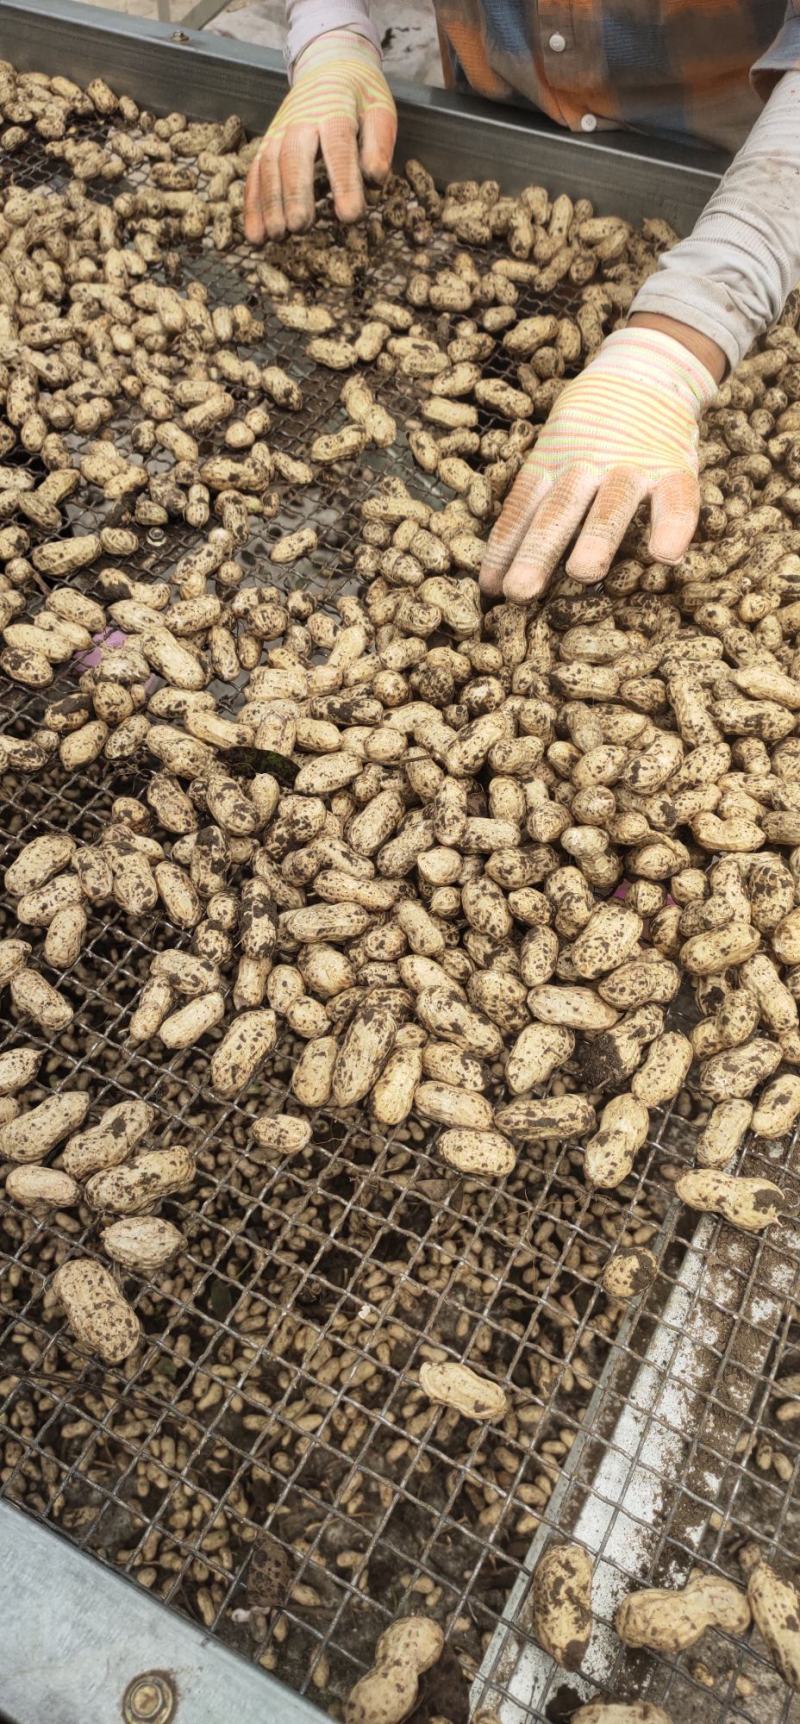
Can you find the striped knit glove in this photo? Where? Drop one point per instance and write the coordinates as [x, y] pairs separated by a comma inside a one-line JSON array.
[[626, 429], [339, 101]]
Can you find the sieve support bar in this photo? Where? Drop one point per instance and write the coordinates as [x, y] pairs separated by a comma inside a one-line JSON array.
[[74, 1636]]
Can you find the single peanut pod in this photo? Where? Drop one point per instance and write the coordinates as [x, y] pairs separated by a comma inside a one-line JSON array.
[[100, 1319], [307, 1018], [777, 1006], [629, 1273], [84, 745], [562, 1603], [778, 1106], [186, 972], [313, 1075], [284, 1133], [538, 1051], [573, 1008], [484, 1154], [328, 922], [363, 1053], [737, 1071], [670, 1622], [537, 1119], [389, 1690], [65, 936], [251, 1037], [720, 949], [134, 885], [143, 1243], [456, 1385], [421, 930], [747, 1203], [33, 996], [775, 1604], [325, 969], [393, 1094], [608, 937], [18, 1067], [446, 1063], [94, 872], [119, 1129], [142, 1182], [178, 895], [664, 1071], [294, 545], [250, 986], [610, 1154], [153, 1006], [338, 887], [172, 807], [230, 807], [32, 1136], [420, 974], [639, 982], [176, 663], [450, 1106], [485, 908], [39, 861], [190, 1022], [538, 956], [40, 1189], [723, 1133]]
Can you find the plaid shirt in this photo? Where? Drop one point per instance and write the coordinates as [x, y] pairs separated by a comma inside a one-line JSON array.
[[682, 70]]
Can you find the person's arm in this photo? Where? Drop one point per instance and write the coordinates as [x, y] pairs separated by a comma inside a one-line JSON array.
[[627, 428], [733, 274], [308, 19], [339, 106]]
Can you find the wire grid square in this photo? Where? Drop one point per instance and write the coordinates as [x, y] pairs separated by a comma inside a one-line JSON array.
[[276, 1385]]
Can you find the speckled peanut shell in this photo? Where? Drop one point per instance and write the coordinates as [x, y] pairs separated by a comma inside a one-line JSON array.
[[101, 1320], [562, 1603]]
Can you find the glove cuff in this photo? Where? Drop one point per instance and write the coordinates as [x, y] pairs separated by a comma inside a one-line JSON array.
[[338, 44]]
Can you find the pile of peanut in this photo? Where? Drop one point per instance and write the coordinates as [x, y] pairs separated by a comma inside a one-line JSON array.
[[465, 857], [432, 901]]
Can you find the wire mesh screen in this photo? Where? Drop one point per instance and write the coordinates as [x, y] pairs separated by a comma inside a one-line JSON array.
[[276, 1391]]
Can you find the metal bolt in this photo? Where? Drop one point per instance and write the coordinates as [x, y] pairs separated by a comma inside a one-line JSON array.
[[150, 1699]]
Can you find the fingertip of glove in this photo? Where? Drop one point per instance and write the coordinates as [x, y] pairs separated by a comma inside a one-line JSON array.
[[490, 582], [349, 209], [522, 586], [668, 548]]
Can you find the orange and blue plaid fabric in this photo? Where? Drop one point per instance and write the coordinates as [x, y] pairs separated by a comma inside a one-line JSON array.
[[684, 69]]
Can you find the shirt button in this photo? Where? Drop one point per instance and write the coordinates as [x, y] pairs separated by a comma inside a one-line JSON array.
[[557, 42], [589, 123]]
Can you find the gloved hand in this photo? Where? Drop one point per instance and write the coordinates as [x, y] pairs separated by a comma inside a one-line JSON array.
[[339, 103], [626, 429]]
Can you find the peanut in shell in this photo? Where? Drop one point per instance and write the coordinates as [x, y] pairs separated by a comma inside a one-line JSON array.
[[456, 1385], [100, 1319], [562, 1603]]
